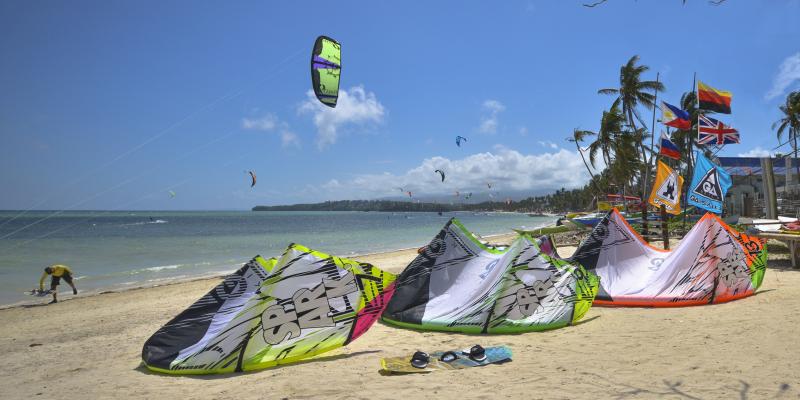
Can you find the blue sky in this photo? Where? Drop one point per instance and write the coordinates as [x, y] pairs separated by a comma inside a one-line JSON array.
[[110, 104]]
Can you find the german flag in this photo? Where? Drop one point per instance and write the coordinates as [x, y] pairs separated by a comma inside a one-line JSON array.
[[712, 99]]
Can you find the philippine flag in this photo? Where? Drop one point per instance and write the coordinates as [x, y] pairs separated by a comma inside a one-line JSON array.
[[668, 149], [674, 117]]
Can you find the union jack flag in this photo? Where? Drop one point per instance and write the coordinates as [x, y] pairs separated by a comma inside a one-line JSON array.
[[711, 131]]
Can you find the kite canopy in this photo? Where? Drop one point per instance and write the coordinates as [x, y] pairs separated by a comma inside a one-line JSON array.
[[459, 139], [252, 178], [326, 68], [438, 171], [712, 264], [272, 312], [459, 284]]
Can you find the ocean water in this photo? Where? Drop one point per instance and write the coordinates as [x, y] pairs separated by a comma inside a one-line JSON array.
[[117, 250]]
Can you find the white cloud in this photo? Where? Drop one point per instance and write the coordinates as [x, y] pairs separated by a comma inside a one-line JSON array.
[[271, 123], [266, 123], [489, 122], [756, 152], [354, 107], [288, 138], [547, 143], [788, 73], [507, 169]]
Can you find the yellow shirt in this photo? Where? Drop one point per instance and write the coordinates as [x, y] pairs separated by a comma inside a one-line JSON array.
[[58, 270]]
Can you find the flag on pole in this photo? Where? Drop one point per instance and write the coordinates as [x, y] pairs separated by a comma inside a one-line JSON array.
[[674, 117], [668, 149], [712, 131], [709, 185], [667, 189], [712, 99]]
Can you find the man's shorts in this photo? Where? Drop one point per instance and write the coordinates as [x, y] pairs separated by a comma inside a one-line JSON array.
[[55, 280]]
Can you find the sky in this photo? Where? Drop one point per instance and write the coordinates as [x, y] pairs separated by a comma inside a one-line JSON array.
[[112, 104]]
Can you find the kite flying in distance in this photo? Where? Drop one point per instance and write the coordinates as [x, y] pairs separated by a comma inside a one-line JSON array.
[[459, 139], [440, 173], [253, 178]]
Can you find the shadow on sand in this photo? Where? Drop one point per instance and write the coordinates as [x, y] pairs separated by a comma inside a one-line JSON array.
[[673, 389], [485, 335], [143, 369]]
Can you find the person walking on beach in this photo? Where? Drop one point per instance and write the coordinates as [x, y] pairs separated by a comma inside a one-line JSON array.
[[58, 271]]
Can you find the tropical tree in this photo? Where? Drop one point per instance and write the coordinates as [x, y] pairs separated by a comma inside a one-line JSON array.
[[632, 93], [612, 125], [687, 139], [577, 137], [791, 119]]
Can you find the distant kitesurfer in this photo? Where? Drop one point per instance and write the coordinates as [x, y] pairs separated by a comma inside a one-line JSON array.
[[58, 271]]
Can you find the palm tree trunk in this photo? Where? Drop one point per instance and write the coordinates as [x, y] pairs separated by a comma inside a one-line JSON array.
[[641, 149], [797, 166], [594, 183]]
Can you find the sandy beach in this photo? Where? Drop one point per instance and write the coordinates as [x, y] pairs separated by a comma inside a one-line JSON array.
[[89, 347]]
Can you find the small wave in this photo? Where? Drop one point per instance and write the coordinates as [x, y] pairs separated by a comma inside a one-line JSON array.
[[155, 221], [163, 267]]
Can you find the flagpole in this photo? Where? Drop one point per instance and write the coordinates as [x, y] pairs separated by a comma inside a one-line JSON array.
[[689, 156], [652, 139], [645, 194]]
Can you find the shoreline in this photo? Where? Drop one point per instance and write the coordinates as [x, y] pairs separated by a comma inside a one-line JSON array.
[[67, 296]]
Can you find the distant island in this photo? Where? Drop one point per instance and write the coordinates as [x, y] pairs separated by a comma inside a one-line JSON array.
[[387, 205], [562, 200]]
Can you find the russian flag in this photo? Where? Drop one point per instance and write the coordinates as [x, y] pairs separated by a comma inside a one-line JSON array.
[[668, 149], [674, 117]]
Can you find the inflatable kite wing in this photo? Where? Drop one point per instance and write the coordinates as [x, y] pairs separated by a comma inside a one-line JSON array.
[[272, 312], [326, 69], [459, 284], [712, 264]]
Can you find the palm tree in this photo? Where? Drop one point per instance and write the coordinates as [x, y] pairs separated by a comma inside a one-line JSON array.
[[633, 92], [686, 139], [790, 120], [577, 137], [611, 126]]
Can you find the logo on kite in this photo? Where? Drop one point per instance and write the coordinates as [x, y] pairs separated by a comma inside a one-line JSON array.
[[460, 139], [308, 308], [440, 173], [709, 186], [252, 178], [326, 69], [539, 294]]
